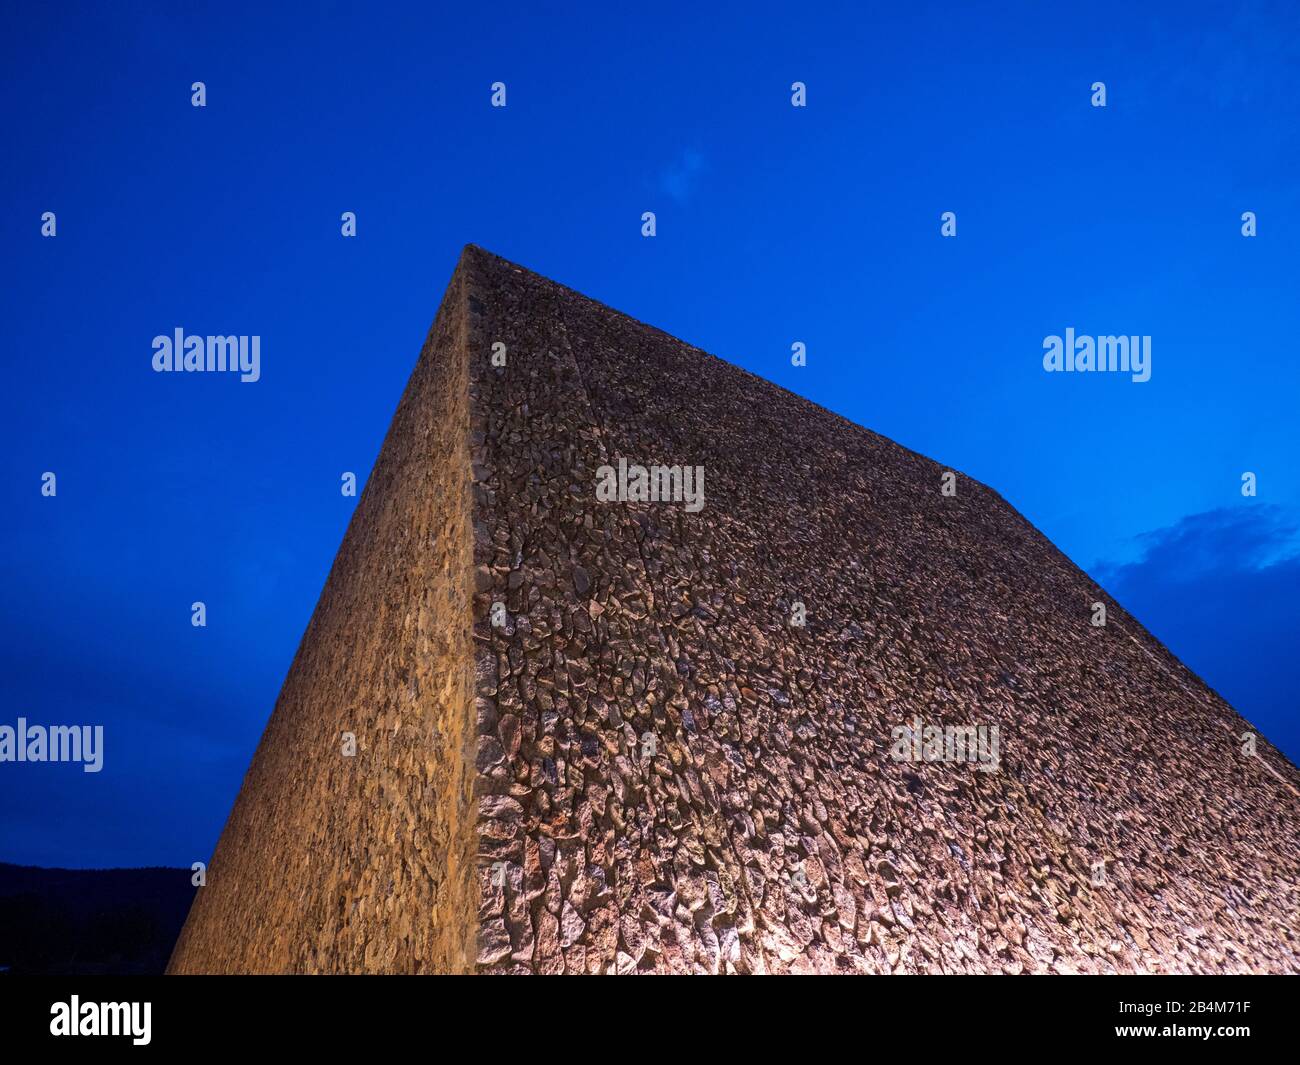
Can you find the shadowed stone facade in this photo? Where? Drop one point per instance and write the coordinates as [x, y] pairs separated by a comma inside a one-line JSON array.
[[669, 774]]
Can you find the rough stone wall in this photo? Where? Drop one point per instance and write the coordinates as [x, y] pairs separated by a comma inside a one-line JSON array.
[[669, 775], [336, 864], [771, 831]]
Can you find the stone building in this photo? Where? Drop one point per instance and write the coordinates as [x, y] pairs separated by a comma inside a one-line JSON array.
[[624, 735]]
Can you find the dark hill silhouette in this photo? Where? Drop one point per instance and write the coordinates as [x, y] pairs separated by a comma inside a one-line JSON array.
[[90, 921]]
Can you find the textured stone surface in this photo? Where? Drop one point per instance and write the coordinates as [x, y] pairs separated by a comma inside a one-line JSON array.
[[668, 775], [366, 863]]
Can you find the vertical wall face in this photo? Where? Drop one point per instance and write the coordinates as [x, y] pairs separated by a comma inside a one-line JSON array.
[[674, 778], [572, 678], [331, 863]]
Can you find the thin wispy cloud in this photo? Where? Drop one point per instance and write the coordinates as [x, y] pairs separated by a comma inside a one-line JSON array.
[[680, 179], [1243, 539], [1221, 590]]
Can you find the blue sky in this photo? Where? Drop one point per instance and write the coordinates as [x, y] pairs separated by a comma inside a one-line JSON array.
[[775, 224]]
